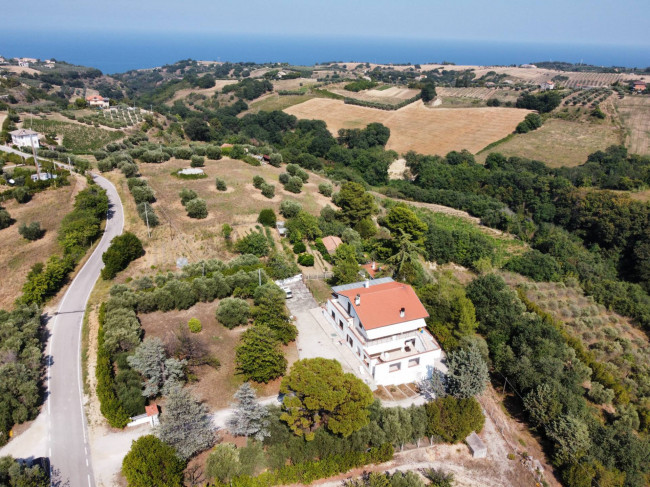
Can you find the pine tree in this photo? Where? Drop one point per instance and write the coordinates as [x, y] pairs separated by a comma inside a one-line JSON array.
[[468, 372], [250, 417], [185, 424], [161, 373]]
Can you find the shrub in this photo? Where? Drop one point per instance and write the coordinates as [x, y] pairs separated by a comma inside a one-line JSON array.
[[299, 248], [290, 208], [148, 214], [306, 260], [221, 184], [237, 152], [197, 161], [22, 195], [226, 231], [213, 152], [151, 462], [5, 218], [284, 178], [31, 232], [267, 217], [194, 325], [142, 194], [183, 153], [268, 190], [325, 189], [259, 356], [197, 208], [233, 312], [452, 420], [123, 249], [275, 159], [600, 394], [187, 195], [294, 185], [258, 181], [254, 243]]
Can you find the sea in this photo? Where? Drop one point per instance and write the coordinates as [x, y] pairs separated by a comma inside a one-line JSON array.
[[120, 52]]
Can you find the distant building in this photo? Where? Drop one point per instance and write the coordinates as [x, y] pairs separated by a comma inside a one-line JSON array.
[[639, 86], [24, 138], [382, 322], [331, 243], [150, 416], [528, 66], [45, 176], [282, 229], [97, 101], [23, 64], [547, 85]]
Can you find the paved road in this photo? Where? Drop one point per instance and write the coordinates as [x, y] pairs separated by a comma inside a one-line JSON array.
[[68, 449]]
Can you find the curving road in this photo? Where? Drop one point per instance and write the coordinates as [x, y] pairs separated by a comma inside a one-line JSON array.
[[68, 447]]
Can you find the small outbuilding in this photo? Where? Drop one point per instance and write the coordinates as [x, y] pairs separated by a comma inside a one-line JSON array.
[[476, 446], [331, 243]]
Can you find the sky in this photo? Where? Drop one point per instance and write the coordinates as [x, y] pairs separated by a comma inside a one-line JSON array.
[[624, 22]]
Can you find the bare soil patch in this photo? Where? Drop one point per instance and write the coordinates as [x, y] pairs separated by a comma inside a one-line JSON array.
[[18, 255], [417, 127]]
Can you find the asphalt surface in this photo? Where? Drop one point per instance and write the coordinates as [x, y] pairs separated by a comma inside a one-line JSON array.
[[68, 448]]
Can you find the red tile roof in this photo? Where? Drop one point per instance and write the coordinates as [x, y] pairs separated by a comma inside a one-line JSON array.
[[368, 268], [381, 304], [151, 409]]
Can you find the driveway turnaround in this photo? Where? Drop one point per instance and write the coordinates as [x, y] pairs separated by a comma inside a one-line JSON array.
[[68, 448]]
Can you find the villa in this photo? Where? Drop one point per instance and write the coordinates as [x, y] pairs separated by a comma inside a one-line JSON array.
[[98, 101], [24, 138], [382, 321]]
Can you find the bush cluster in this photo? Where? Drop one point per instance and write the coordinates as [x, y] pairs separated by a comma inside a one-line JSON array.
[[143, 195], [31, 232], [123, 250]]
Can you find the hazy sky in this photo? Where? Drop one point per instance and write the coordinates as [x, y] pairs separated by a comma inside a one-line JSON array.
[[564, 21]]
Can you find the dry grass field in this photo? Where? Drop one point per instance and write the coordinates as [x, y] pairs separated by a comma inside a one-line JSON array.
[[417, 127], [18, 255], [273, 101], [634, 111], [559, 142], [215, 386], [219, 84], [181, 236]]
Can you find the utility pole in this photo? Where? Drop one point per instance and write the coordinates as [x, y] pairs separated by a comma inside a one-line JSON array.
[[38, 170], [259, 276], [146, 217]]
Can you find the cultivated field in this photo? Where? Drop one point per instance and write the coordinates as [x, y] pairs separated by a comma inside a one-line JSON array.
[[181, 236], [635, 114], [417, 127], [389, 96], [273, 101], [18, 255], [559, 142], [478, 93], [76, 136]]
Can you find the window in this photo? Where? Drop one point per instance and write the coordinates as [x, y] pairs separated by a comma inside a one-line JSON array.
[[395, 367], [333, 316], [349, 309], [350, 340], [340, 324], [414, 362]]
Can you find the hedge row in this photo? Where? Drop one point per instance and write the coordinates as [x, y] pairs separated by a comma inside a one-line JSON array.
[[143, 195], [110, 405], [308, 472], [381, 106]]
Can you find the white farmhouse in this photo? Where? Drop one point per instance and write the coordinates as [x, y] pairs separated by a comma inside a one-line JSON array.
[[382, 321], [97, 101], [547, 85], [24, 138]]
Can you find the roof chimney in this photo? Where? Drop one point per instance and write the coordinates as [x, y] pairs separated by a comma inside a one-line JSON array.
[[402, 312], [366, 284], [374, 265], [357, 300]]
